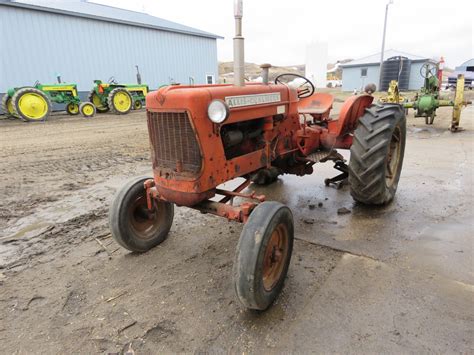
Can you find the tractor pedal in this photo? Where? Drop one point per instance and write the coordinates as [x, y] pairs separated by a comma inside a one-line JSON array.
[[339, 180]]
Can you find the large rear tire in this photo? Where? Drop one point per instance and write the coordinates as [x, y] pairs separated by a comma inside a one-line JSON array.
[[263, 255], [95, 99], [377, 154], [132, 224], [31, 104], [120, 101], [7, 107]]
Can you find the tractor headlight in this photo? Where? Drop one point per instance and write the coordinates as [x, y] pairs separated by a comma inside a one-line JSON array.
[[218, 111]]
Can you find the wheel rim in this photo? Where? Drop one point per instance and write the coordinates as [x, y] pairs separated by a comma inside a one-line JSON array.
[[145, 223], [73, 109], [87, 110], [274, 258], [138, 105], [33, 106], [97, 102], [122, 101], [393, 157]]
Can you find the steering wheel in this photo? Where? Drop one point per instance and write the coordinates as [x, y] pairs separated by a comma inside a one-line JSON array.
[[428, 70], [305, 89], [112, 80]]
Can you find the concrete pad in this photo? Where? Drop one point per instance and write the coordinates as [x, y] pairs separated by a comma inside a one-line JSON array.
[[367, 306]]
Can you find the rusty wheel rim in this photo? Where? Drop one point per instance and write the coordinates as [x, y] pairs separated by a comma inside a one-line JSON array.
[[144, 222], [393, 157], [275, 256]]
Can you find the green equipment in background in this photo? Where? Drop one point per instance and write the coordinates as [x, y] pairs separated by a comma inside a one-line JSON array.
[[118, 98], [428, 99], [34, 103]]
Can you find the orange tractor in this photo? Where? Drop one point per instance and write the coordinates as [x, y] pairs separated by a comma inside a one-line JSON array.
[[204, 136]]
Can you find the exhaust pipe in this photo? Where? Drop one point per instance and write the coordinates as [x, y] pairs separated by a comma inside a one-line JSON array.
[[265, 72], [239, 59]]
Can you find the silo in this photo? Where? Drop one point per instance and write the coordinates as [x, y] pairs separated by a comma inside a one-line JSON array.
[[316, 63], [396, 68]]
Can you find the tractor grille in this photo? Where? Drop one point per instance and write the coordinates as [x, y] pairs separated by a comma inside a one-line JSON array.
[[174, 144]]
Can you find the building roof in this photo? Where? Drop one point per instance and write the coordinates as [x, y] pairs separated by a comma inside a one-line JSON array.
[[80, 8], [374, 59], [467, 63]]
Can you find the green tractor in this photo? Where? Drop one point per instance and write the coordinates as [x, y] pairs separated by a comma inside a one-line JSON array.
[[34, 103], [118, 98]]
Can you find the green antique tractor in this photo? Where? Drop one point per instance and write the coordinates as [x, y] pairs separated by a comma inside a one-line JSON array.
[[428, 99], [34, 103], [118, 98]]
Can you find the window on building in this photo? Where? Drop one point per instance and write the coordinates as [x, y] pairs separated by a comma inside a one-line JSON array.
[[363, 72], [210, 79]]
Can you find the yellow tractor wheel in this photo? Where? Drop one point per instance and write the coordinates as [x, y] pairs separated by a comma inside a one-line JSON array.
[[137, 105], [120, 101], [7, 107], [95, 99], [87, 109], [31, 104], [72, 109]]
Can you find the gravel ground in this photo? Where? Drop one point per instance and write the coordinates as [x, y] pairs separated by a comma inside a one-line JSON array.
[[396, 279]]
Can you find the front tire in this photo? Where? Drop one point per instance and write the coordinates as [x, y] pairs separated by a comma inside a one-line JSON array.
[[72, 109], [87, 109], [132, 224], [263, 255], [377, 154]]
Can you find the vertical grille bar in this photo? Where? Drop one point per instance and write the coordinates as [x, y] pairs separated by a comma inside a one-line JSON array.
[[174, 144]]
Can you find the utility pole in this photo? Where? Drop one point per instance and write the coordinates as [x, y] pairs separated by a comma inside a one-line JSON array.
[[383, 43]]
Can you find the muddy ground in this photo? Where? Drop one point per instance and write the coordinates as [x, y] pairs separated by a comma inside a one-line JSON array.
[[393, 279]]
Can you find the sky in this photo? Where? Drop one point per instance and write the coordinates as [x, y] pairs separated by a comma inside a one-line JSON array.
[[278, 31]]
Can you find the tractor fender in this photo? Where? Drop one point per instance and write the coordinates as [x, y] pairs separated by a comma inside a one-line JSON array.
[[353, 108]]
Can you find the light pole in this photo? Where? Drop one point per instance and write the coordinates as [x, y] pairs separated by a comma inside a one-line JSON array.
[[383, 43]]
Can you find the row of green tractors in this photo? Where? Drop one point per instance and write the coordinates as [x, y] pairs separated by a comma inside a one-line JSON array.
[[34, 103]]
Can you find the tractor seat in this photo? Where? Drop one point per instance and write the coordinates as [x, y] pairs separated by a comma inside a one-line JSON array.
[[316, 104]]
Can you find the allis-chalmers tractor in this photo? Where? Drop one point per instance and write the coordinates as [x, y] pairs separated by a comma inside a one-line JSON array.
[[204, 136]]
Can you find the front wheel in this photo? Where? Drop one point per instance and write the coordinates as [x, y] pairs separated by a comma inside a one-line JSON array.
[[87, 109], [132, 224], [72, 109], [263, 255], [377, 154]]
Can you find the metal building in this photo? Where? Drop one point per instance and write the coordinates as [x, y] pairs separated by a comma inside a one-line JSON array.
[[360, 72], [83, 41]]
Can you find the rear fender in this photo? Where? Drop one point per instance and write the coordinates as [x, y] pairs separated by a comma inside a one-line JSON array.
[[351, 110]]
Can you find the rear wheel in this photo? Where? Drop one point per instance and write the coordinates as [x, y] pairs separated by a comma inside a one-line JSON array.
[[95, 99], [120, 101], [31, 104], [72, 109], [132, 224], [263, 255], [87, 109], [7, 106], [377, 154]]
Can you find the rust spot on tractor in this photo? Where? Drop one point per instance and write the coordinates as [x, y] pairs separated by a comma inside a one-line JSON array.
[[237, 168]]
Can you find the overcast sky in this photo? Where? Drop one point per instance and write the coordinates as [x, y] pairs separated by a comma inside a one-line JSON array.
[[277, 31]]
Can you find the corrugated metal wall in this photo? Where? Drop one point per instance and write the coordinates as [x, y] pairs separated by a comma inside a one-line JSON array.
[[351, 78], [36, 45]]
